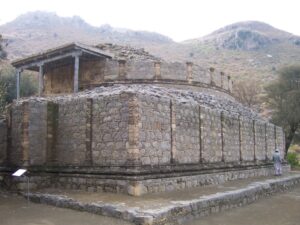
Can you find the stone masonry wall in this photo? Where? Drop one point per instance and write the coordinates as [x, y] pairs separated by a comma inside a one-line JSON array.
[[186, 133], [270, 137], [129, 128], [16, 155], [37, 133], [154, 130], [3, 140], [280, 140], [231, 137], [260, 140], [211, 135], [110, 130], [247, 139], [70, 134]]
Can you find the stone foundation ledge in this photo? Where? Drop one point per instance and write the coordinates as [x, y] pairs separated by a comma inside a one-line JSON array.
[[136, 185], [177, 212]]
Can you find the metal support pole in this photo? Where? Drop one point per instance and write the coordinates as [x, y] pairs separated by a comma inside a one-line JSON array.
[[41, 79], [76, 74]]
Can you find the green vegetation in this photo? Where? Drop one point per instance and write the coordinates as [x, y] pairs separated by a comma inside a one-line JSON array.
[[292, 158], [283, 97], [28, 85]]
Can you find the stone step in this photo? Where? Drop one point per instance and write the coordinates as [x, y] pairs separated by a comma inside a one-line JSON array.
[[168, 208]]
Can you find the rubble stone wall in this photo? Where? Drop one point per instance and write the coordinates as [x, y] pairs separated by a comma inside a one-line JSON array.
[[247, 139], [110, 130], [127, 127], [154, 130], [3, 141], [37, 133], [260, 140], [231, 137], [70, 134], [211, 135], [280, 140], [270, 137], [186, 133], [16, 153]]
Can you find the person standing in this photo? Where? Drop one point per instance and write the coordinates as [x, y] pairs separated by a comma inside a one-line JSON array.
[[277, 163]]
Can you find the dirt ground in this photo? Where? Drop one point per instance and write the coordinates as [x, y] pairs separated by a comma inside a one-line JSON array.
[[14, 210], [280, 209]]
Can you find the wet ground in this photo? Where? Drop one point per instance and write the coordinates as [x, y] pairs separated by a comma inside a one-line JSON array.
[[156, 200], [14, 210], [280, 209]]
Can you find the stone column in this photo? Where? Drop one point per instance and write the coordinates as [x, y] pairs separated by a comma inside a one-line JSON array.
[[89, 131], [200, 135], [222, 135], [133, 131], [52, 124], [228, 79], [25, 134], [254, 140], [18, 74], [240, 138], [173, 132], [189, 76], [157, 66], [41, 79], [122, 68], [76, 74], [222, 79], [211, 74]]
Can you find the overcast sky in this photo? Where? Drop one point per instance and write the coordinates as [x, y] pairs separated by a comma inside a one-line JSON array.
[[178, 19]]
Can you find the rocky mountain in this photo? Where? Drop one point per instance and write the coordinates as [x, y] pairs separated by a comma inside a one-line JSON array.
[[243, 50], [36, 31]]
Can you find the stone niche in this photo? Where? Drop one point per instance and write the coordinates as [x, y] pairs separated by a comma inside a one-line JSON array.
[[129, 140]]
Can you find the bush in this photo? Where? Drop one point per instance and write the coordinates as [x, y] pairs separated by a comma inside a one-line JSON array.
[[28, 83], [292, 159]]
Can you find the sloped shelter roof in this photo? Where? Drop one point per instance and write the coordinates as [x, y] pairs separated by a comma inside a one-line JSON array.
[[61, 53]]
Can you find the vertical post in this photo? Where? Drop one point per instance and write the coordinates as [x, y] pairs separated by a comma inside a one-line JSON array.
[[157, 70], [76, 73], [18, 74], [222, 135], [41, 79], [222, 79], [189, 76], [122, 69], [229, 89], [211, 71]]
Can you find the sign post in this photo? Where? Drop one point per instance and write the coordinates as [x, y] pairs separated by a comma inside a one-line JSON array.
[[19, 173]]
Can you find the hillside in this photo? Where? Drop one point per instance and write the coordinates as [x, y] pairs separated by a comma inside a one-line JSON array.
[[246, 49], [36, 31], [243, 50]]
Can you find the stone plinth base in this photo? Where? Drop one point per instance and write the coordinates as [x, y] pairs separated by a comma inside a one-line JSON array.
[[135, 183]]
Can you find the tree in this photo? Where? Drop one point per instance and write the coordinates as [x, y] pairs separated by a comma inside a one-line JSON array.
[[28, 83], [247, 91], [283, 96], [2, 52]]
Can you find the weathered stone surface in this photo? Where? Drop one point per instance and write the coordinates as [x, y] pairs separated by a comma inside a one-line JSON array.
[[247, 139], [176, 212], [270, 134], [211, 135], [154, 130], [231, 137], [187, 133], [260, 140], [3, 141]]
